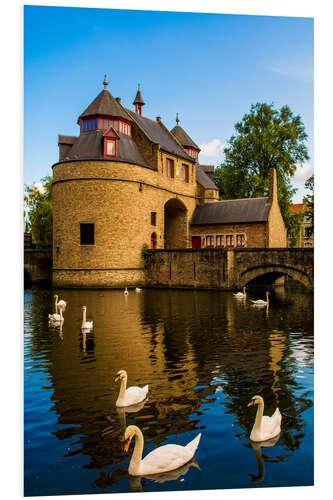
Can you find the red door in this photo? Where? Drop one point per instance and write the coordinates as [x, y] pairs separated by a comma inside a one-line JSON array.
[[196, 241]]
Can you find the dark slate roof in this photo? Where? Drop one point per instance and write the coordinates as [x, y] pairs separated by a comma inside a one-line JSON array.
[[183, 138], [204, 180], [138, 99], [231, 212], [158, 133], [66, 139], [105, 104], [90, 146], [207, 168]]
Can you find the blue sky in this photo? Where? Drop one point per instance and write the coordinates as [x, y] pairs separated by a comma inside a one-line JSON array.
[[209, 68]]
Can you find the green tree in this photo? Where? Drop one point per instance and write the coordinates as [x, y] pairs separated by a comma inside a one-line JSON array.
[[38, 211], [265, 138], [309, 200]]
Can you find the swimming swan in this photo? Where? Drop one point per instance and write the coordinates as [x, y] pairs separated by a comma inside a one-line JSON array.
[[56, 319], [59, 305], [162, 459], [264, 427], [241, 295], [132, 395], [138, 290], [86, 325], [262, 302], [125, 291]]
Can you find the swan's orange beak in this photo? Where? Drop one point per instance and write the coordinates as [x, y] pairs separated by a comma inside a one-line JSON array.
[[126, 445], [251, 403], [117, 378]]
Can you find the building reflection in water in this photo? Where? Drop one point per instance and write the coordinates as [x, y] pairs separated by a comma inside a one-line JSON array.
[[183, 344]]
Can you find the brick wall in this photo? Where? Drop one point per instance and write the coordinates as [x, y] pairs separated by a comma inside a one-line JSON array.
[[254, 233]]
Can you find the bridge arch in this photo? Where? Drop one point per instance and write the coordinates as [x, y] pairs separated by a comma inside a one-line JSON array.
[[175, 224], [275, 271]]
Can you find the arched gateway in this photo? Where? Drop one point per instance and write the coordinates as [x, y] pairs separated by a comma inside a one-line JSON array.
[[175, 224]]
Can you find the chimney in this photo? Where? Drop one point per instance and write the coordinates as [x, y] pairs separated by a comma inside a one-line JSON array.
[[273, 190], [158, 119], [118, 99]]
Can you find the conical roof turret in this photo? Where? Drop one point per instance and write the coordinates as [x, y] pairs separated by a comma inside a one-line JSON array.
[[105, 104], [138, 98], [184, 139]]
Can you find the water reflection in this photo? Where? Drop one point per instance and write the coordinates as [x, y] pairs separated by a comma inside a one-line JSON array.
[[257, 478], [202, 353], [173, 475]]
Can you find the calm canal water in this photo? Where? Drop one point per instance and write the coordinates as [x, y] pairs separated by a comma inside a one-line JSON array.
[[204, 355]]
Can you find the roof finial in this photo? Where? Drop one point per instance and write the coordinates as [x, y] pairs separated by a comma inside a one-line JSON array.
[[105, 83], [138, 86], [177, 119]]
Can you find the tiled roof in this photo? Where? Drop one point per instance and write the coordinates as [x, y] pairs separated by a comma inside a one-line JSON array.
[[183, 137], [158, 133], [90, 146], [105, 104], [204, 180], [299, 208], [231, 211]]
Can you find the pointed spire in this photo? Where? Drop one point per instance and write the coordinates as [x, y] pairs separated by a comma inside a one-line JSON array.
[[177, 119], [105, 83], [138, 101]]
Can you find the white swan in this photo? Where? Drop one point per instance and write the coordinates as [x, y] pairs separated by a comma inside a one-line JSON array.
[[264, 427], [86, 325], [241, 295], [59, 305], [56, 319], [125, 291], [132, 395], [262, 302], [162, 459], [138, 290]]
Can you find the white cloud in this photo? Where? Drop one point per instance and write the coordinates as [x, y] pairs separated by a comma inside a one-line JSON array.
[[303, 172], [212, 151], [40, 187]]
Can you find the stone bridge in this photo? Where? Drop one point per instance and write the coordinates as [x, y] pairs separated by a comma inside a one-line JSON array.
[[227, 269], [37, 266]]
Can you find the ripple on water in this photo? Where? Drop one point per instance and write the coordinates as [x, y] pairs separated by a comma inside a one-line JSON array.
[[203, 357]]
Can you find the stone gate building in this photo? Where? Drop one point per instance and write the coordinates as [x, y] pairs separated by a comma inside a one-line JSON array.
[[127, 183]]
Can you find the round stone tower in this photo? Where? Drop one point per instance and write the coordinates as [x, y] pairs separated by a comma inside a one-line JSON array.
[[124, 184]]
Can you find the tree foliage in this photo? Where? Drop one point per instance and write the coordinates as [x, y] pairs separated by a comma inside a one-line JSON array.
[[309, 200], [265, 138], [38, 211]]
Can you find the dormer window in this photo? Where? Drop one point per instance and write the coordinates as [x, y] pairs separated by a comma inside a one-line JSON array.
[[111, 140], [110, 147]]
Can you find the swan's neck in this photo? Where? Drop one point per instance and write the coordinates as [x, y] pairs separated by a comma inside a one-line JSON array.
[[123, 385], [84, 316], [56, 304], [258, 420], [244, 291], [138, 449]]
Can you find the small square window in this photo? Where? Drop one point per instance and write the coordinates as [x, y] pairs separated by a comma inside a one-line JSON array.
[[87, 234], [219, 240], [240, 240], [209, 241], [153, 218], [229, 240]]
